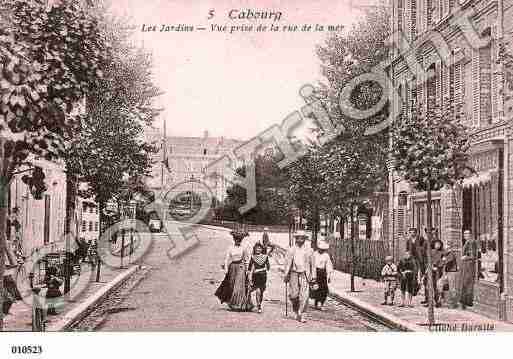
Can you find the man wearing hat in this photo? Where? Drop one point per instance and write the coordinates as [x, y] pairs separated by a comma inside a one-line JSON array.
[[299, 273]]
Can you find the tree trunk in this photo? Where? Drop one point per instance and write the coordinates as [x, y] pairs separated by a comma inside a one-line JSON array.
[[4, 183], [71, 194], [342, 227], [315, 227], [429, 269], [101, 219], [353, 264]]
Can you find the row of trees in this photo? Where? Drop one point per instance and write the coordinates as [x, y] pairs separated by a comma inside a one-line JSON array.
[[336, 177], [53, 60]]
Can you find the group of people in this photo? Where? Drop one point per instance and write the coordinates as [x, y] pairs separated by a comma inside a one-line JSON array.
[[245, 274], [306, 274], [411, 271]]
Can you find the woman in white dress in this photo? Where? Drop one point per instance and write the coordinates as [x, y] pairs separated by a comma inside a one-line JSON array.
[[234, 289]]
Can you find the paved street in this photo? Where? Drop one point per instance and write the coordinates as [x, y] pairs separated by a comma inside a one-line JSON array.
[[179, 295]]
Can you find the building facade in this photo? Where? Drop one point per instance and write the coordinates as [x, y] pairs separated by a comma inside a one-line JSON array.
[[181, 163], [471, 79], [88, 220], [39, 222]]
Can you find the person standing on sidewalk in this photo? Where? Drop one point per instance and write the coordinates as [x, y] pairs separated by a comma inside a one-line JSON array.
[[450, 267], [468, 269], [324, 270], [437, 252], [417, 246], [299, 274], [389, 276], [407, 270]]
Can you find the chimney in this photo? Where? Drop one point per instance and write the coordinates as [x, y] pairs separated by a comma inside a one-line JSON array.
[[205, 134]]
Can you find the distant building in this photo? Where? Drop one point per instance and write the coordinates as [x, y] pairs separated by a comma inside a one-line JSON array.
[[88, 220], [184, 160]]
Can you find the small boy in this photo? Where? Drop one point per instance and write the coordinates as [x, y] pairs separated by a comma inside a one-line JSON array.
[[389, 276]]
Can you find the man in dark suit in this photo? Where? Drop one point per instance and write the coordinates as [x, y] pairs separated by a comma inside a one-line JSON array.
[[417, 246]]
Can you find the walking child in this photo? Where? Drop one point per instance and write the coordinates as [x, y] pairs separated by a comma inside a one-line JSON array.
[[389, 276], [258, 267]]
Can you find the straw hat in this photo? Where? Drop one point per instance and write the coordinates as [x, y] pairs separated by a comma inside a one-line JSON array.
[[266, 228], [389, 258], [323, 245], [301, 234]]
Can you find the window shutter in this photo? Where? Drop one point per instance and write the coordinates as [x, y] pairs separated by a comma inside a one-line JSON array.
[[400, 14], [431, 93], [420, 102], [445, 85], [406, 102], [429, 13], [496, 106], [400, 230], [402, 92], [475, 89], [485, 85], [456, 89], [413, 96], [413, 19]]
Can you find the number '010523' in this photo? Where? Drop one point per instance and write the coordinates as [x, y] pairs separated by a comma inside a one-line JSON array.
[[26, 349]]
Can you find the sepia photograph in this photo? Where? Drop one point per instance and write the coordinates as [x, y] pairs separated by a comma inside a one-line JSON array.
[[254, 166]]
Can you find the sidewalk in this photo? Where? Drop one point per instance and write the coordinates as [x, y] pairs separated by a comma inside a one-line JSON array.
[[369, 296], [83, 294]]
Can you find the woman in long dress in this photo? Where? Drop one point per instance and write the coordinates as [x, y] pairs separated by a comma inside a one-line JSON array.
[[234, 289], [468, 270], [324, 269]]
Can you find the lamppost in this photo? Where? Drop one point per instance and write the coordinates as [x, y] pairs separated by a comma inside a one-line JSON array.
[[192, 191]]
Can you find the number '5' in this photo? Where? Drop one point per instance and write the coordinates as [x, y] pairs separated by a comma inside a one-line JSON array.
[[211, 13]]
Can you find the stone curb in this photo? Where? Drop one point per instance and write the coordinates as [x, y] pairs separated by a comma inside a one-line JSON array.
[[376, 313], [78, 313]]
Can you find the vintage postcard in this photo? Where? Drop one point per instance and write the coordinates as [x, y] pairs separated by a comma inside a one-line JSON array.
[[255, 166]]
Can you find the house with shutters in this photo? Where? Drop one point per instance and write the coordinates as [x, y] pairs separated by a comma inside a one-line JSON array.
[[449, 52]]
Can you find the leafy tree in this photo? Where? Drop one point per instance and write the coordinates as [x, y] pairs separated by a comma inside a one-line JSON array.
[[344, 56], [271, 196], [50, 58], [430, 152], [306, 188], [353, 168], [353, 165], [108, 150]]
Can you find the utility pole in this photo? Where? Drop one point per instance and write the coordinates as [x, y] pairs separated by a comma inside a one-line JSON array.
[[164, 155]]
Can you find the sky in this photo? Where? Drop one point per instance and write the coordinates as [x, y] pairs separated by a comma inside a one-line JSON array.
[[233, 85]]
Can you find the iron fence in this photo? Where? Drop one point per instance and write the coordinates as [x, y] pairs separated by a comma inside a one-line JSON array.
[[369, 257]]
